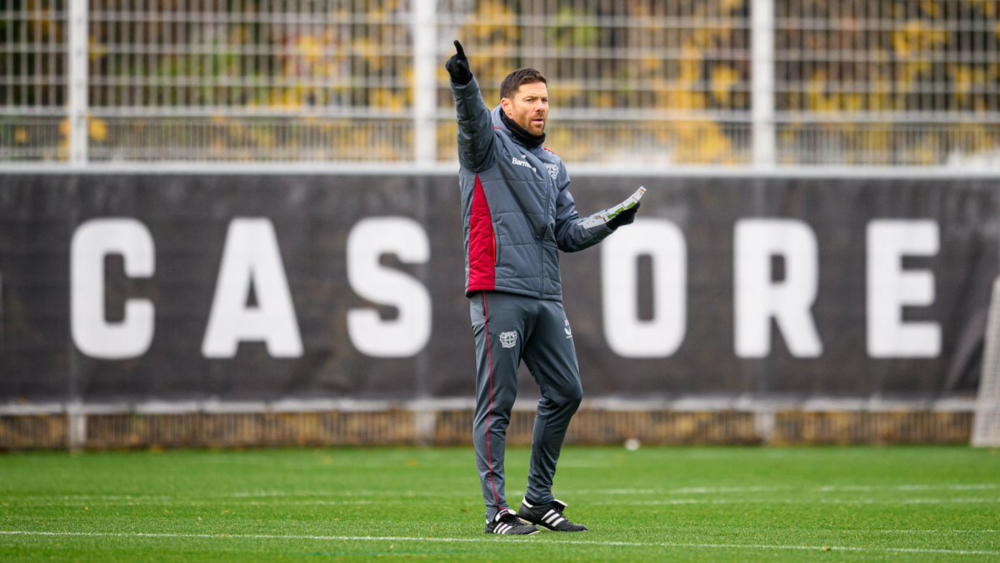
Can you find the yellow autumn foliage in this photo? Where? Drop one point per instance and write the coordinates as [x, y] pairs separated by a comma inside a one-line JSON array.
[[684, 63]]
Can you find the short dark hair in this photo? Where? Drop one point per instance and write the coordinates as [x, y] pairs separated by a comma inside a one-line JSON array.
[[516, 79]]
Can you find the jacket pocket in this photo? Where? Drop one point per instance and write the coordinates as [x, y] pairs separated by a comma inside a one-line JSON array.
[[496, 246]]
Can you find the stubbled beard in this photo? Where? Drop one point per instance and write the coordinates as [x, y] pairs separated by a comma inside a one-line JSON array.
[[529, 127]]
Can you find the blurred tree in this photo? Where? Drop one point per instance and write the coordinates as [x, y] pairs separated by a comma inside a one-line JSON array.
[[857, 64]]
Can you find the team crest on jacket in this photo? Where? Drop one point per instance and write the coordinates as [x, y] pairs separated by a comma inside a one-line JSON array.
[[508, 339], [553, 170]]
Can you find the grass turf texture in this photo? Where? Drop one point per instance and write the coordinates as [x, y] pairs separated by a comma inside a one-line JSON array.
[[712, 504]]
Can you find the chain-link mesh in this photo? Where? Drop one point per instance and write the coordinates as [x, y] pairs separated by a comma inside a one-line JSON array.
[[33, 80], [449, 427], [250, 80], [637, 82], [888, 82], [633, 82]]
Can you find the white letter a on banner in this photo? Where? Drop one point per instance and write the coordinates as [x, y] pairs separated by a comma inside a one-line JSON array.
[[251, 256]]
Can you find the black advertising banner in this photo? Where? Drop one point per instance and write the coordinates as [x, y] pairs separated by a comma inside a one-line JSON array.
[[240, 287]]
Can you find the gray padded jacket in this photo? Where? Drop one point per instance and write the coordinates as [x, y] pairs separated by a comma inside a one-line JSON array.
[[517, 210]]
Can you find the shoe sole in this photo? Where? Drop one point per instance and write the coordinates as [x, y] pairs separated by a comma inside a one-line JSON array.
[[528, 534], [523, 522], [542, 526]]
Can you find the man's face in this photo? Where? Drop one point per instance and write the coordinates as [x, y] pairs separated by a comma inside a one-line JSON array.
[[529, 107]]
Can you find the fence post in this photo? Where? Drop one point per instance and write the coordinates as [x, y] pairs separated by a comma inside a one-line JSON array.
[[78, 82], [762, 82], [424, 82], [76, 427]]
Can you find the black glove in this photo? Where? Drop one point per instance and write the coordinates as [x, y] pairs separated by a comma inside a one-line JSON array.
[[624, 218], [458, 66]]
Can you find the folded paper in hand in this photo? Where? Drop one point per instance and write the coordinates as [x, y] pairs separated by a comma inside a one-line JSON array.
[[602, 217]]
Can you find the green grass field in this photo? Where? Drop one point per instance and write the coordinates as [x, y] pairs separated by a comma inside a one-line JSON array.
[[711, 504]]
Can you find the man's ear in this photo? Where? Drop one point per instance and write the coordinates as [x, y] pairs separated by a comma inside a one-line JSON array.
[[505, 105]]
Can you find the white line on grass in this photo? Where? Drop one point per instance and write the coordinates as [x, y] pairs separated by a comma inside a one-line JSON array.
[[800, 501], [870, 488], [358, 502], [356, 496], [723, 490], [191, 502], [512, 540], [938, 531], [514, 492], [628, 492]]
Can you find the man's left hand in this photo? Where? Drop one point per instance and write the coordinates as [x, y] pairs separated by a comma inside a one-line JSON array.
[[458, 66], [624, 218]]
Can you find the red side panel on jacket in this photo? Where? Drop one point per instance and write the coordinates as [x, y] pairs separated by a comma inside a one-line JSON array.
[[482, 245]]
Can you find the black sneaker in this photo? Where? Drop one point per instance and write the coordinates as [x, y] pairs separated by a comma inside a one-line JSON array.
[[506, 522], [548, 516]]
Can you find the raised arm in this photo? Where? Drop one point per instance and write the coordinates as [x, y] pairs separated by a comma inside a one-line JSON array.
[[475, 125]]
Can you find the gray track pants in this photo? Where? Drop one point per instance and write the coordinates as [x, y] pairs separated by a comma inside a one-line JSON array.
[[509, 328]]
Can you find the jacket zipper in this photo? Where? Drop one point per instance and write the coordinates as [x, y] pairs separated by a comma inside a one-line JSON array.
[[541, 241]]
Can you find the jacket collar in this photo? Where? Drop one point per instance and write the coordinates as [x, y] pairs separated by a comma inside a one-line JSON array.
[[522, 137]]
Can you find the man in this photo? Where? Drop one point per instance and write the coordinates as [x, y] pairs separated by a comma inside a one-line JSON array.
[[518, 213]]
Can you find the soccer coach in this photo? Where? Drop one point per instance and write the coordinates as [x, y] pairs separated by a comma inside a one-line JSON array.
[[518, 213]]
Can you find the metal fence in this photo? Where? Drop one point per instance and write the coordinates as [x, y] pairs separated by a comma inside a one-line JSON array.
[[634, 83], [111, 429], [914, 83]]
